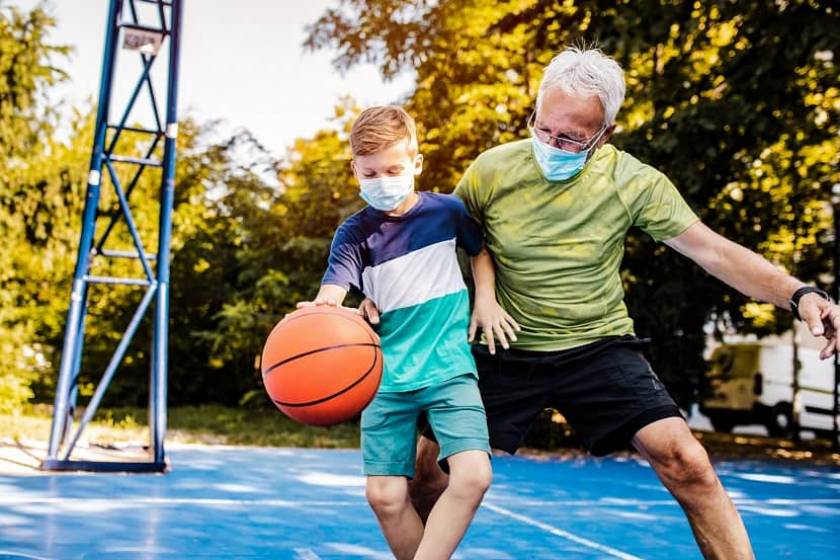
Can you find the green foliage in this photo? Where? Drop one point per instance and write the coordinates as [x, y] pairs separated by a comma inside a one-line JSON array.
[[737, 102], [27, 216]]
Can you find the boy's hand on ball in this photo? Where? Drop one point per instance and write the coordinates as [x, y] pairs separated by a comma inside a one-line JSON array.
[[316, 302]]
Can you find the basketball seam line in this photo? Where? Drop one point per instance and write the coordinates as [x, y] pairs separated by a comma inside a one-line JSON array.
[[334, 395], [317, 350]]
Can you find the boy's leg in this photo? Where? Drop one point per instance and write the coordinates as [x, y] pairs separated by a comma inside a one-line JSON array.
[[456, 416], [389, 425], [388, 497], [469, 479]]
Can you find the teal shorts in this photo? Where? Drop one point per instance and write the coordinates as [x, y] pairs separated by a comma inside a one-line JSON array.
[[389, 425]]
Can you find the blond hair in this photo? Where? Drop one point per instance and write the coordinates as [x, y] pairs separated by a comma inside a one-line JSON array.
[[380, 127]]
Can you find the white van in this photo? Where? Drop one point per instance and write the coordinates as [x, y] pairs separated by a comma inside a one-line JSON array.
[[752, 383]]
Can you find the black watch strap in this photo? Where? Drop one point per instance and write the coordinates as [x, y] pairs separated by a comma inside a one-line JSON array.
[[797, 295]]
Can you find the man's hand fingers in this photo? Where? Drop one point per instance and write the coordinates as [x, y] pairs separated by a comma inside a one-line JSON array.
[[814, 323], [302, 304]]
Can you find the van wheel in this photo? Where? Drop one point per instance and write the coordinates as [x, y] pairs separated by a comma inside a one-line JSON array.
[[722, 423], [780, 421]]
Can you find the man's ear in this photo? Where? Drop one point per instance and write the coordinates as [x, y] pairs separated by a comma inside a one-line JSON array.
[[607, 135]]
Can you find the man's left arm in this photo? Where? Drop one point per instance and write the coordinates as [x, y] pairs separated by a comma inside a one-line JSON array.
[[754, 276]]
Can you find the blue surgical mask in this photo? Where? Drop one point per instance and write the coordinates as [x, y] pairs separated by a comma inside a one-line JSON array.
[[386, 193], [557, 164]]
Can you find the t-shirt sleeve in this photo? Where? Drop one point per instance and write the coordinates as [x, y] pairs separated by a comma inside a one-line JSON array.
[[468, 232], [661, 211], [344, 265], [469, 191]]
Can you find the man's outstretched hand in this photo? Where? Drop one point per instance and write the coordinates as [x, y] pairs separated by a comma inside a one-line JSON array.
[[823, 319]]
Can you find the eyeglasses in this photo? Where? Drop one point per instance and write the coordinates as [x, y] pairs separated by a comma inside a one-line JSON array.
[[562, 142]]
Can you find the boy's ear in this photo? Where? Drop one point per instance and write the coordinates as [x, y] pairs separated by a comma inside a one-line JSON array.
[[353, 168], [418, 164]]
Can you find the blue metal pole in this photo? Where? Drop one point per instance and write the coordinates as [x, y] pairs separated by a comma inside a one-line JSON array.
[[161, 331], [111, 369], [73, 343]]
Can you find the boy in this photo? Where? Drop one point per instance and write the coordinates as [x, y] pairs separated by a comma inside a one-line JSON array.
[[400, 251]]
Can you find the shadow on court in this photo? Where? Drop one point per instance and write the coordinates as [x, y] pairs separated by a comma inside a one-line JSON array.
[[225, 502]]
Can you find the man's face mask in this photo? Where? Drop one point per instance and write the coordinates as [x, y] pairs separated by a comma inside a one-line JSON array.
[[566, 159]]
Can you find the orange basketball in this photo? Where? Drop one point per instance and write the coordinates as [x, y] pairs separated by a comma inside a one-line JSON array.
[[322, 365]]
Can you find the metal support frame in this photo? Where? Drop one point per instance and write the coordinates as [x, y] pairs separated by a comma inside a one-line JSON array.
[[123, 17], [835, 407]]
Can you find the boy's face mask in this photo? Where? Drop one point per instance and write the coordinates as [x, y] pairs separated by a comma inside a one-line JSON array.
[[386, 193]]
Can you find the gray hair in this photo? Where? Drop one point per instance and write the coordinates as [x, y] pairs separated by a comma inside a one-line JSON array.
[[583, 73]]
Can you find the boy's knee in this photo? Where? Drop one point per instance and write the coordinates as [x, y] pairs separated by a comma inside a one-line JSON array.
[[471, 480], [386, 496]]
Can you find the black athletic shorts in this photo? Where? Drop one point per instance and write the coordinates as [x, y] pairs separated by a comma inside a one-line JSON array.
[[606, 390]]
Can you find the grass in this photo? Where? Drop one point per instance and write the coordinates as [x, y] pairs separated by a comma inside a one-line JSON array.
[[210, 424], [219, 425]]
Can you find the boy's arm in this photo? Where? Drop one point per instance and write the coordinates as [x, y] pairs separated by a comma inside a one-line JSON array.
[[329, 294], [487, 313]]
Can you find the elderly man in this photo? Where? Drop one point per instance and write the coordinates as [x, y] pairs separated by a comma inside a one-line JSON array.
[[555, 210]]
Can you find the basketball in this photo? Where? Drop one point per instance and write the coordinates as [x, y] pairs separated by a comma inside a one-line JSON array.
[[322, 365]]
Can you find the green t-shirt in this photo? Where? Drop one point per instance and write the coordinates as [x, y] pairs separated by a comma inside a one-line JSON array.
[[558, 245]]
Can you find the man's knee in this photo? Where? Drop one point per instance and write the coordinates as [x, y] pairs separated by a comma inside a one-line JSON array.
[[386, 495], [427, 467], [429, 480], [686, 464]]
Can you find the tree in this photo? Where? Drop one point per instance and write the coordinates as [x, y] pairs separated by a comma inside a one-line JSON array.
[[26, 123], [738, 103]]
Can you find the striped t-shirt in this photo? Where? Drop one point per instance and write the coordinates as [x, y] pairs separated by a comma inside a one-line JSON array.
[[409, 267]]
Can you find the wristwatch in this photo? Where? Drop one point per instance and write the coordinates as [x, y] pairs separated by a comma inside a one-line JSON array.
[[797, 295]]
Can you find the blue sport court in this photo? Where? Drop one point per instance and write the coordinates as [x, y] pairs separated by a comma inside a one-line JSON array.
[[234, 502]]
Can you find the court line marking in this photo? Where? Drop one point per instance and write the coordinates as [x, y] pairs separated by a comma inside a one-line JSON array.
[[617, 502], [613, 502], [127, 502], [561, 533], [306, 554]]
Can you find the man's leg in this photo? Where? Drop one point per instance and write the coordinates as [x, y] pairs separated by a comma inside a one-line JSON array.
[[469, 479], [388, 497], [429, 480], [683, 467]]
